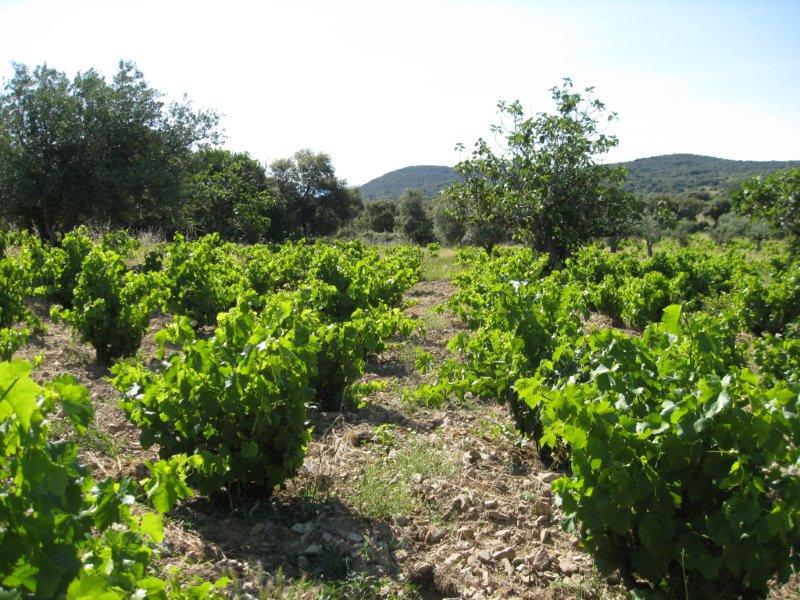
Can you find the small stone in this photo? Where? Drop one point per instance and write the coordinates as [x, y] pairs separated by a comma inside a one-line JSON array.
[[299, 528], [567, 567], [465, 533], [459, 503], [402, 521], [420, 570], [437, 535], [354, 537], [472, 456], [541, 561], [417, 478], [360, 437], [302, 563], [258, 528], [518, 561], [453, 558], [312, 550], [507, 567], [490, 503], [542, 508], [545, 536], [485, 556], [507, 553], [496, 515], [548, 477], [327, 537], [543, 520], [505, 534]]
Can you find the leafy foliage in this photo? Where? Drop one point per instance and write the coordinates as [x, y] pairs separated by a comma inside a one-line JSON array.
[[201, 278], [683, 473], [63, 533], [111, 305], [238, 399], [774, 198], [413, 219], [545, 187], [230, 195], [89, 150]]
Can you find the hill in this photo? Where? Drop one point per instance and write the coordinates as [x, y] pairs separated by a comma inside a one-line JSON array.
[[671, 173], [429, 179], [675, 173]]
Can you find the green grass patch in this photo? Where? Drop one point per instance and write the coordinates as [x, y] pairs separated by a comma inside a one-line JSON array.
[[386, 487], [441, 265]]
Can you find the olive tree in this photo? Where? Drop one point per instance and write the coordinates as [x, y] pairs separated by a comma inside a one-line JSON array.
[[86, 149]]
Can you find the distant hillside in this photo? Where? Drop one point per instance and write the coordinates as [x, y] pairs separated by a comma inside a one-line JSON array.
[[671, 173], [675, 173], [429, 179]]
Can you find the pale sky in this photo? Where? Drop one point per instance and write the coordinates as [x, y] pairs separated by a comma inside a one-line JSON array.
[[382, 85]]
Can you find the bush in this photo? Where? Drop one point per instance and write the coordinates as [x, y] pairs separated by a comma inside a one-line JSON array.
[[238, 399], [778, 355], [11, 340], [111, 305], [14, 290], [201, 279], [684, 463], [62, 265], [770, 306], [644, 298], [343, 348], [413, 219], [63, 534]]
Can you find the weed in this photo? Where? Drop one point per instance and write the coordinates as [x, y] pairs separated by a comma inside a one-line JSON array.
[[386, 487]]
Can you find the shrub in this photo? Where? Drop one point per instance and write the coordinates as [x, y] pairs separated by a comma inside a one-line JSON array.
[[201, 279], [111, 305], [238, 399], [778, 355], [770, 306], [684, 463], [61, 266], [14, 290], [64, 534], [11, 340], [343, 348], [644, 298]]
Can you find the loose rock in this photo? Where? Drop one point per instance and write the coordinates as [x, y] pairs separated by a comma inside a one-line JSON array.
[[507, 553], [541, 561]]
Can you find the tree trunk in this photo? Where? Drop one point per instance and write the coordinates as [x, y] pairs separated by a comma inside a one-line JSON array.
[[649, 247]]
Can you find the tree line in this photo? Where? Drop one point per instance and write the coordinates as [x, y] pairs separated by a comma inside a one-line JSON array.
[[114, 153]]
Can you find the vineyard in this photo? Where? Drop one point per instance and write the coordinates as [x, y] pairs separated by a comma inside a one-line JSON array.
[[203, 419]]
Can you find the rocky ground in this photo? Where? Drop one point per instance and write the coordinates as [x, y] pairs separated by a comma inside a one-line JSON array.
[[393, 500]]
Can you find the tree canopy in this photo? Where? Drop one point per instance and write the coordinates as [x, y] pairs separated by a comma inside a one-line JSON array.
[[312, 200], [543, 184], [774, 198], [91, 150], [231, 194]]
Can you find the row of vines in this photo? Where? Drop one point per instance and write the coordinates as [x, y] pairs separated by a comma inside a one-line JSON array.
[[666, 388], [258, 334]]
